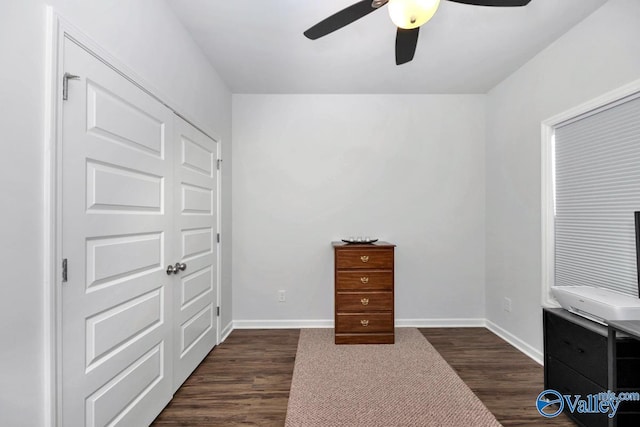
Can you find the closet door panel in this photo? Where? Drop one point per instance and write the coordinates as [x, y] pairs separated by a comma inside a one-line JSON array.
[[116, 234], [195, 218]]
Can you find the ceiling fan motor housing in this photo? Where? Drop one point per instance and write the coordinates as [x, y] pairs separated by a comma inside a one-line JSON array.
[[410, 14]]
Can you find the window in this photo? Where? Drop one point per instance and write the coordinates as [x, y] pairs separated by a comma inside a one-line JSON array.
[[591, 188]]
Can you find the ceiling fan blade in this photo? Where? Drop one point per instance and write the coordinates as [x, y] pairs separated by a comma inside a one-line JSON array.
[[497, 3], [406, 42], [340, 19]]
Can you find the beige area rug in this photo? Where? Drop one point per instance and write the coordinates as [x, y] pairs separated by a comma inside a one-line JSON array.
[[404, 384]]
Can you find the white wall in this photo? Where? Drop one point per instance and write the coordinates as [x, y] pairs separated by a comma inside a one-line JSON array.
[[145, 36], [309, 169], [597, 56]]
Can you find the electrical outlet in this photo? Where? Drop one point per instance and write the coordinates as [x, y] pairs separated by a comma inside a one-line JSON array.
[[282, 296], [506, 304]]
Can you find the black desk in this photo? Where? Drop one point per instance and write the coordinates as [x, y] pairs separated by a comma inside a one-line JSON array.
[[630, 328], [578, 361]]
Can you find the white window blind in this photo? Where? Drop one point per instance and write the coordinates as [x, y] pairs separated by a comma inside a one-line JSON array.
[[597, 190]]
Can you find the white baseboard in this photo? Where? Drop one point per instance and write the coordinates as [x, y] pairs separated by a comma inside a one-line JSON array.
[[325, 323], [225, 332], [282, 324], [516, 342], [440, 323]]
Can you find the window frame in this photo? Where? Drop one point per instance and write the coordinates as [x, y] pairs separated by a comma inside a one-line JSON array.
[[547, 133]]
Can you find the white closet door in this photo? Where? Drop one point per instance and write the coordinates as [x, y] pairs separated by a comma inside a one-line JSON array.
[[195, 219], [117, 237]]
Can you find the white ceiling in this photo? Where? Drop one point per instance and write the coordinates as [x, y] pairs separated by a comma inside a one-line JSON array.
[[257, 46]]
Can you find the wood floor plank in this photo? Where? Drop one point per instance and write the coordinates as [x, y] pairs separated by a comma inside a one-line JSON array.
[[507, 381], [246, 380]]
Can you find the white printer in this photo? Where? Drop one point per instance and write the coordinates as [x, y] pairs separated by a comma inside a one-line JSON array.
[[597, 304]]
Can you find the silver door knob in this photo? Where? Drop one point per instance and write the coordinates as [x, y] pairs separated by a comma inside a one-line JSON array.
[[175, 269]]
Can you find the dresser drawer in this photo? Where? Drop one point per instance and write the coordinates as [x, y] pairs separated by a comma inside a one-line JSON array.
[[567, 381], [582, 349], [364, 301], [364, 279], [364, 322], [379, 338], [364, 258]]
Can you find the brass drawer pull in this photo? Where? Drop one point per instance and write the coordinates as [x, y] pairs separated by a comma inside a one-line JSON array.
[[365, 301], [364, 280], [364, 258], [364, 322]]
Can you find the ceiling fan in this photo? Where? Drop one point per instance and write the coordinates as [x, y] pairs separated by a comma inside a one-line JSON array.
[[407, 15]]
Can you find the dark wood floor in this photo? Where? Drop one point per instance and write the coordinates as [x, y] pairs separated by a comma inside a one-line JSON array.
[[245, 380], [507, 381]]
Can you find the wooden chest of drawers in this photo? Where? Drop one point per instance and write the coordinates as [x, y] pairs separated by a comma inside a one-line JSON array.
[[364, 300]]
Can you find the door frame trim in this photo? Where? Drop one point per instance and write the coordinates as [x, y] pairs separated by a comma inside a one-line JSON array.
[[219, 243], [57, 30]]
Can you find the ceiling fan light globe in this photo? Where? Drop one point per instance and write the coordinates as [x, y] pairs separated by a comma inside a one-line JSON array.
[[410, 14]]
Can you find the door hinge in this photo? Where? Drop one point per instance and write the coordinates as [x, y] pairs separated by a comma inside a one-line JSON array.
[[65, 84], [218, 237], [64, 270], [217, 311], [219, 163]]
